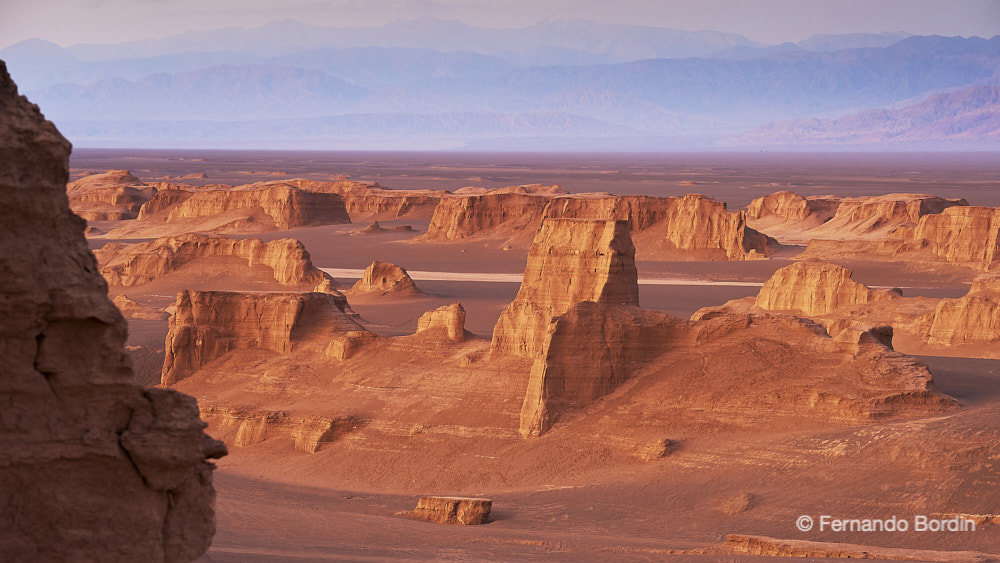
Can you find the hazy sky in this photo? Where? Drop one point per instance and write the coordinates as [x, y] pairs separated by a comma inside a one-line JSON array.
[[770, 21]]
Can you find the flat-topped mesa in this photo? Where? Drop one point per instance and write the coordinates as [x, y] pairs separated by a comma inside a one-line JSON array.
[[209, 324], [141, 263], [385, 279], [94, 467], [526, 189], [791, 207], [570, 261], [973, 319], [692, 227], [367, 201], [968, 236], [813, 288], [113, 195], [286, 206], [164, 199], [495, 215], [449, 319]]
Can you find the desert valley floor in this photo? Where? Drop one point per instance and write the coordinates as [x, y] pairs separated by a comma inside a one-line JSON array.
[[633, 373]]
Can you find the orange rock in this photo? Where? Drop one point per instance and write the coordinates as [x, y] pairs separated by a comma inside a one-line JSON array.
[[385, 279], [209, 324], [141, 263], [454, 510], [451, 318], [814, 288], [286, 206]]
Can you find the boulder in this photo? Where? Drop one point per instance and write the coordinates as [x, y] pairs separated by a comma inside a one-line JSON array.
[[454, 510]]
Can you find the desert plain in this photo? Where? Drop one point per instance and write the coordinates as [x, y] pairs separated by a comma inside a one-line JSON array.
[[628, 370]]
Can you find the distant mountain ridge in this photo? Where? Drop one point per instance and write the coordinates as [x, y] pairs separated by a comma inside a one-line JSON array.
[[576, 77], [969, 115]]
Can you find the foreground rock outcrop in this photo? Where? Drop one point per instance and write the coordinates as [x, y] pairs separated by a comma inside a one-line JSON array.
[[241, 427], [142, 263], [454, 510], [93, 467], [209, 324], [382, 279]]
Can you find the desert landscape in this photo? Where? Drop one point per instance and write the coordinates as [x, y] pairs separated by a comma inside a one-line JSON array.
[[634, 376], [439, 290]]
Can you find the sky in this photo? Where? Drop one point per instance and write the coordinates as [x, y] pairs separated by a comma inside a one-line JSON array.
[[69, 22]]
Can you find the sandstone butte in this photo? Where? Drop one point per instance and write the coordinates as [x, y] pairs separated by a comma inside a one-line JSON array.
[[371, 201], [964, 236], [968, 326], [382, 279], [576, 318], [692, 227], [141, 263], [790, 217], [93, 467], [449, 318], [208, 324]]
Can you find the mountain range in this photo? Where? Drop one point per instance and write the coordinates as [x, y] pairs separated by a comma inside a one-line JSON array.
[[412, 82]]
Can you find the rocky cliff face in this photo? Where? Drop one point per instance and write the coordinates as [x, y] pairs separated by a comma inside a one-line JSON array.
[[286, 206], [137, 264], [692, 227], [94, 468], [570, 261], [385, 280], [495, 215], [971, 319], [209, 324], [814, 288], [968, 236], [793, 218], [164, 199], [371, 201]]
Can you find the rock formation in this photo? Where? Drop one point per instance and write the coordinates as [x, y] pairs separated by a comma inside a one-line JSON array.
[[576, 318], [570, 261], [239, 427], [495, 215], [969, 236], [164, 199], [450, 319], [94, 468], [286, 206], [692, 227], [366, 201], [454, 510], [813, 288], [132, 310], [972, 319], [793, 218], [383, 279], [138, 264], [209, 324], [689, 228], [113, 195]]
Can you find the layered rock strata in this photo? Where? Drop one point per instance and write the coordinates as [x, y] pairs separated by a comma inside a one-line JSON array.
[[138, 264], [286, 206], [114, 195], [209, 324], [93, 467], [972, 319]]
